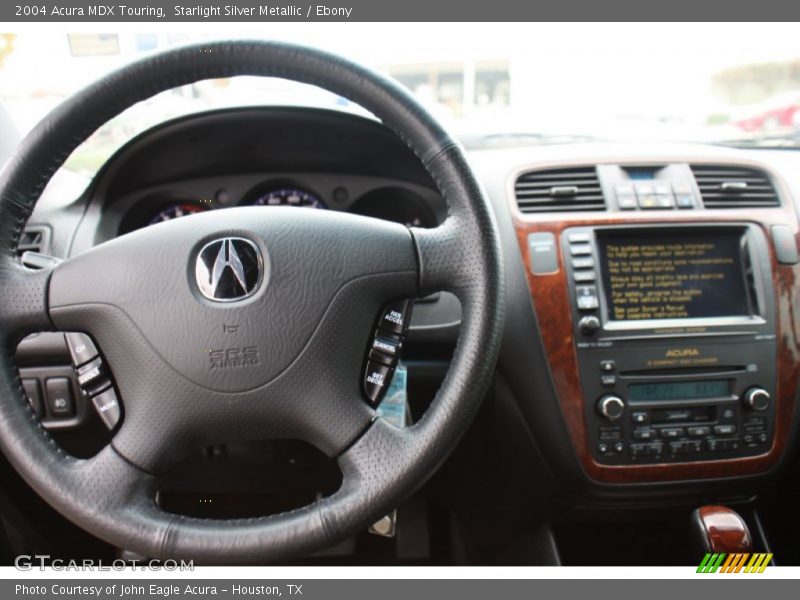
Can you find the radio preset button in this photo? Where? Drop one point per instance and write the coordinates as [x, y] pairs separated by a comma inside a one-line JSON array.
[[626, 202], [672, 432], [644, 434], [724, 429], [698, 431], [583, 276]]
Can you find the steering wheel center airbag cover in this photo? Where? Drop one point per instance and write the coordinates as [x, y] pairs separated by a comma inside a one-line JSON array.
[[150, 277]]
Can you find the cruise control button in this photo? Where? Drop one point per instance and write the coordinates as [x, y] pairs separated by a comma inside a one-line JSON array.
[[81, 348], [385, 350], [376, 381], [107, 407], [395, 317], [59, 396], [34, 393]]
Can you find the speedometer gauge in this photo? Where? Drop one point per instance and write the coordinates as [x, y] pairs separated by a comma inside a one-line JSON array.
[[288, 196], [174, 211]]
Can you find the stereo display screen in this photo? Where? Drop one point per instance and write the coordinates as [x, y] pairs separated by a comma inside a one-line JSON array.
[[673, 275]]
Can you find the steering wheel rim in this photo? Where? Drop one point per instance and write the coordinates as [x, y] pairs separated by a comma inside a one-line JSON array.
[[112, 495]]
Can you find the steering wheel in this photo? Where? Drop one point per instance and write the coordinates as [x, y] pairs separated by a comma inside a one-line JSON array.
[[315, 283]]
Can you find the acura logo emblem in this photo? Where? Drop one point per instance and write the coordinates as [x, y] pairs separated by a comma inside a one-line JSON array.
[[228, 269]]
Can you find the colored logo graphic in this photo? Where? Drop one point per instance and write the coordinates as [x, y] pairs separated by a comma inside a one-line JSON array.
[[734, 563]]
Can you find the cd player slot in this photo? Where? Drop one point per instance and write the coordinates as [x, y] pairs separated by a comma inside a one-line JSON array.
[[682, 372]]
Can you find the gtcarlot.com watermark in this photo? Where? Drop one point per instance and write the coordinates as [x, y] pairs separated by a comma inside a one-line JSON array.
[[30, 562]]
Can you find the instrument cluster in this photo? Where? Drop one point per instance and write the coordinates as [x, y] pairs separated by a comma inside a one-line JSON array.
[[391, 203]]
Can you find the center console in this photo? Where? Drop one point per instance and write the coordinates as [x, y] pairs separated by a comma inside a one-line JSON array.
[[674, 330], [665, 297]]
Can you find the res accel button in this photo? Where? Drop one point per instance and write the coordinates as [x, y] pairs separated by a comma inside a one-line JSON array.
[[395, 317], [376, 381]]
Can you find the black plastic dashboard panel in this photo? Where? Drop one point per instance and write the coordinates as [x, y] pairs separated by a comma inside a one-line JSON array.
[[235, 150]]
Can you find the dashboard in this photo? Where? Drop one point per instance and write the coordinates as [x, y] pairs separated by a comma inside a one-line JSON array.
[[651, 339]]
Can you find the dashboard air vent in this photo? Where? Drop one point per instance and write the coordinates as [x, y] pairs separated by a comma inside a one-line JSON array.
[[726, 186], [569, 189]]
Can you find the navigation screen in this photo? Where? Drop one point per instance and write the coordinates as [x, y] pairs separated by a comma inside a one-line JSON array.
[[672, 276]]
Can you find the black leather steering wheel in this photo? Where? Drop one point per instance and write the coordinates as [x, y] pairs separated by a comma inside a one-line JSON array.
[[326, 276]]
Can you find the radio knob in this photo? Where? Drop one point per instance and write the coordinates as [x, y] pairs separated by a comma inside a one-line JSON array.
[[756, 398], [589, 325], [611, 407]]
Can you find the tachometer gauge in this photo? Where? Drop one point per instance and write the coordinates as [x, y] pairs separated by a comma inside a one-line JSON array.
[[288, 196], [176, 210]]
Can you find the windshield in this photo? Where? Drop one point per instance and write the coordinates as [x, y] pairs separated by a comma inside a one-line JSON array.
[[491, 84]]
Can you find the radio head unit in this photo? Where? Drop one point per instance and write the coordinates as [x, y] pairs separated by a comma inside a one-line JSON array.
[[675, 340]]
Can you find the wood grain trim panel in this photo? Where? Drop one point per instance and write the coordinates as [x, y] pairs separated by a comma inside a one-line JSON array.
[[551, 304]]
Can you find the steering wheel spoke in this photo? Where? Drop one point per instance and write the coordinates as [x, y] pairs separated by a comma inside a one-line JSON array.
[[24, 301]]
